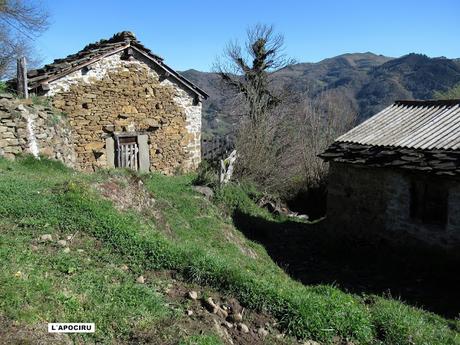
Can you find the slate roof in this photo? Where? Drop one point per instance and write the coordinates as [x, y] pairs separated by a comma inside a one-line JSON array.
[[96, 51], [414, 135]]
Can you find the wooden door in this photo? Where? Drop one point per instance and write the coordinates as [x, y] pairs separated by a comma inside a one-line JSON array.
[[128, 153]]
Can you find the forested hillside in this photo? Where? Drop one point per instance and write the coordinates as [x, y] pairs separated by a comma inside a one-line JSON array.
[[369, 81]]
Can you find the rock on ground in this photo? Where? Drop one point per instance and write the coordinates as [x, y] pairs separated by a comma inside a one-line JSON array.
[[243, 328], [46, 237], [206, 191]]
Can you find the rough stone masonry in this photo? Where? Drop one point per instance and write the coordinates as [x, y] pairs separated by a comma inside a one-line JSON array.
[[118, 96], [51, 130], [117, 88]]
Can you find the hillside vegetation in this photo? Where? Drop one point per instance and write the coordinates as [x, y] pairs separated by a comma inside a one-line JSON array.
[[370, 82], [118, 226]]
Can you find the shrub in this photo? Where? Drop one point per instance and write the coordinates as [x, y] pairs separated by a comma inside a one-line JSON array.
[[207, 175]]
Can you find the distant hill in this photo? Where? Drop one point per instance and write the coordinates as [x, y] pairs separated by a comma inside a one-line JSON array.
[[370, 81]]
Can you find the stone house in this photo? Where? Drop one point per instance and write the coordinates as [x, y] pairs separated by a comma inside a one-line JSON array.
[[397, 175], [125, 107]]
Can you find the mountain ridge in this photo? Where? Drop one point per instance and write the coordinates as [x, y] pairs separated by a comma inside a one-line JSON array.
[[369, 80]]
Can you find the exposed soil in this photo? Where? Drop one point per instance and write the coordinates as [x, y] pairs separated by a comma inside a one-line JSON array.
[[14, 333], [199, 319], [129, 193], [126, 193], [194, 316]]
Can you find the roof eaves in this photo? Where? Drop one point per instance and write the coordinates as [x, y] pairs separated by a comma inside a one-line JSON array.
[[172, 72], [77, 67]]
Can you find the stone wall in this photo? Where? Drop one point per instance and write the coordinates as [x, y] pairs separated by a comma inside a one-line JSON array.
[[27, 128], [375, 203], [119, 96]]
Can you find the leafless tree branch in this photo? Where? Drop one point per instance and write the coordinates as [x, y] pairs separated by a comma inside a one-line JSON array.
[[21, 22]]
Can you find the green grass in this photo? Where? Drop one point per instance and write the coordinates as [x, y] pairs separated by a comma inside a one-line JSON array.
[[50, 285], [44, 195]]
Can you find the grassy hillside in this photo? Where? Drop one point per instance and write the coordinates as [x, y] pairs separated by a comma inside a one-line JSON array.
[[118, 226]]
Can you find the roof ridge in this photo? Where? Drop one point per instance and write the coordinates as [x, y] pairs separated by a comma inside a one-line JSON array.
[[429, 102], [95, 51]]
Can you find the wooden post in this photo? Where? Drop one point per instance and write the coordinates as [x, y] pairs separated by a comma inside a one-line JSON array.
[[22, 78], [226, 168]]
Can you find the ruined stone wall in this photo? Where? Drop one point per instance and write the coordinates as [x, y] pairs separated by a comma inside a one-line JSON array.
[[27, 127], [116, 96], [375, 203]]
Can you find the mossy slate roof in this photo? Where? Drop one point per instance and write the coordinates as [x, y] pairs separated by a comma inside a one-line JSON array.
[[415, 135], [95, 51]]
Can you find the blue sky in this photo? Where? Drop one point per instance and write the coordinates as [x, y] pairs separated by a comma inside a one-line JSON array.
[[191, 34]]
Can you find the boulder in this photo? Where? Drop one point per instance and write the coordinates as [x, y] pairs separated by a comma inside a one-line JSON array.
[[204, 190], [46, 237], [193, 295], [243, 328], [62, 243], [237, 317], [262, 332]]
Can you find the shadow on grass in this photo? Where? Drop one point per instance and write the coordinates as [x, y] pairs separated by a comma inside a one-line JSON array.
[[312, 254]]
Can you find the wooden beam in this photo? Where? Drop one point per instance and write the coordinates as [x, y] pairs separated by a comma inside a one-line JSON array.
[[23, 91], [76, 68]]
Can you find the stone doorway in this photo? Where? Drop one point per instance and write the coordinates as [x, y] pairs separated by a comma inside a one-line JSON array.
[[127, 152]]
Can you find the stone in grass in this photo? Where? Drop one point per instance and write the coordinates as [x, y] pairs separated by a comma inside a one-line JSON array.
[[227, 324], [243, 328], [66, 250], [193, 295], [237, 317], [62, 243], [124, 267], [262, 332], [210, 305], [206, 191], [221, 313], [46, 237], [189, 312], [140, 280]]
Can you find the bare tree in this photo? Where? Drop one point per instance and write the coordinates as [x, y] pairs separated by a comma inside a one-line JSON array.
[[248, 70], [320, 120], [20, 24]]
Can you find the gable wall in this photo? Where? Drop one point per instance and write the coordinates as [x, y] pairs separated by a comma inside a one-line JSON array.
[[117, 96]]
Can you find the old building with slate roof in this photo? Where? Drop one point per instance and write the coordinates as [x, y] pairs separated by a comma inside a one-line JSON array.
[[125, 107], [397, 175]]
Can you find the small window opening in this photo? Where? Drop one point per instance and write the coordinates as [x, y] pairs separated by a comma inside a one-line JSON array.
[[85, 70], [127, 152], [429, 202]]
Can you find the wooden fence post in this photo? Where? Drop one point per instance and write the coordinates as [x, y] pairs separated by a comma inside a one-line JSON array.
[[22, 78]]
